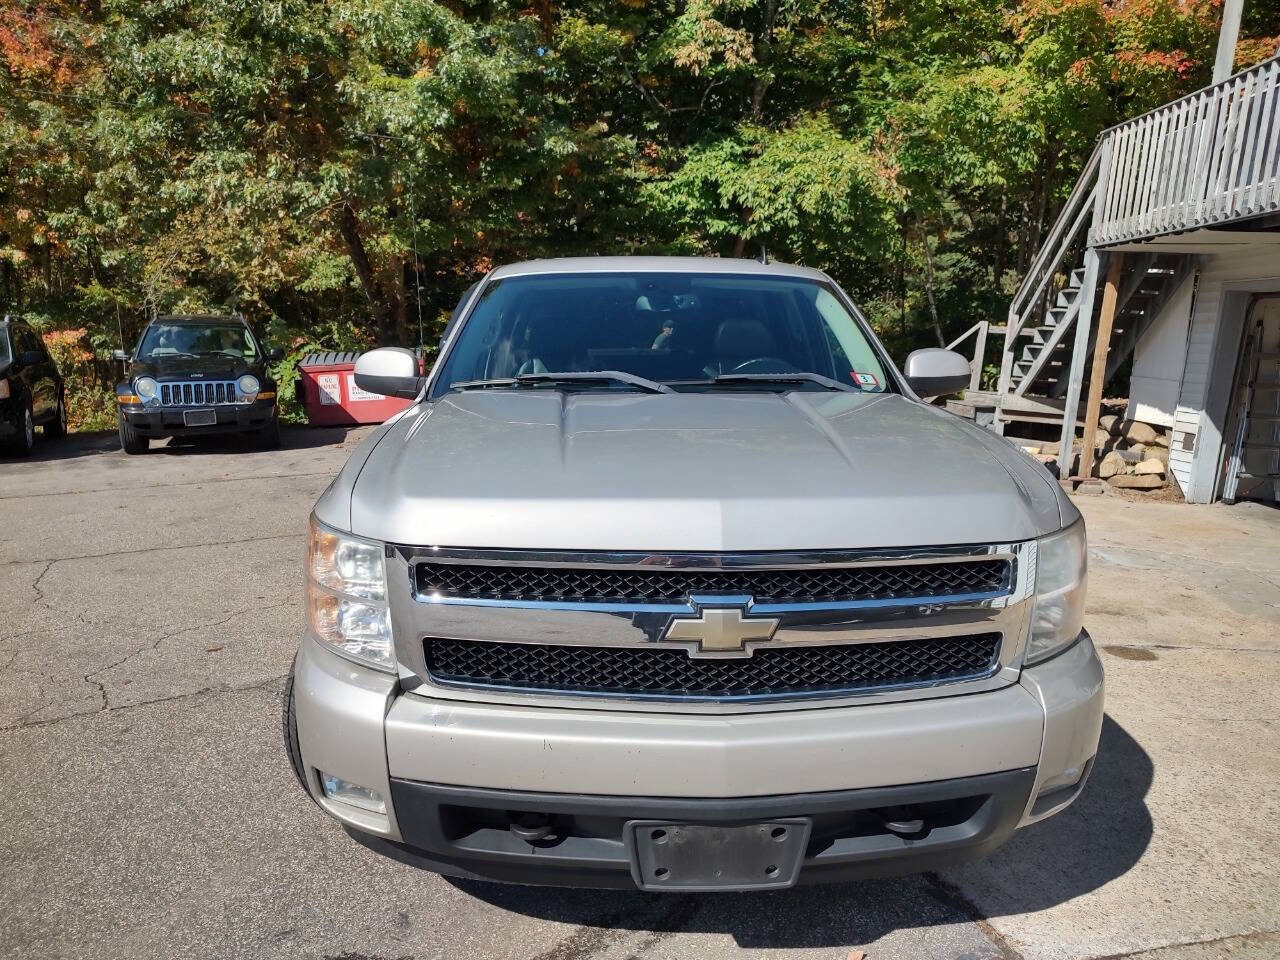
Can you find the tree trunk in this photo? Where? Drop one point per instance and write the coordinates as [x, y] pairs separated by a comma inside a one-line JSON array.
[[764, 58], [402, 314], [383, 306], [928, 289], [740, 241], [997, 264]]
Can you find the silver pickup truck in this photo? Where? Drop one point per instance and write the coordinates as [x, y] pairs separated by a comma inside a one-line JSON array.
[[669, 579]]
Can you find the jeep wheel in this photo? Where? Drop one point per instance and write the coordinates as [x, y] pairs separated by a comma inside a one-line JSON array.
[[290, 722], [268, 435], [130, 440], [22, 444], [57, 427]]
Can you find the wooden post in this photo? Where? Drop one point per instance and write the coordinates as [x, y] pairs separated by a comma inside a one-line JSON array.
[[1102, 346], [979, 356], [1075, 375]]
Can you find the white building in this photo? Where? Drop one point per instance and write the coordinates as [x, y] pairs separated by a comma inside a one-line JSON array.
[[1172, 240]]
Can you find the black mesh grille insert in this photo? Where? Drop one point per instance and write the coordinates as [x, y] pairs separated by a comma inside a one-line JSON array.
[[596, 585], [673, 673]]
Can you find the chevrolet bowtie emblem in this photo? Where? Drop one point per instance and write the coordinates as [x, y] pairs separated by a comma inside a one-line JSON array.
[[721, 630]]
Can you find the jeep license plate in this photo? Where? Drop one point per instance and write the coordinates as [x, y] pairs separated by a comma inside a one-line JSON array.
[[695, 857], [199, 418]]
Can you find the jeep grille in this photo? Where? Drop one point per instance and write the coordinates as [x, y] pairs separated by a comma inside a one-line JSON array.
[[198, 393]]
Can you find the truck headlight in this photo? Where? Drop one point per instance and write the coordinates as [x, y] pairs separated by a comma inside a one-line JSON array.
[[248, 386], [146, 388], [1060, 587], [347, 596]]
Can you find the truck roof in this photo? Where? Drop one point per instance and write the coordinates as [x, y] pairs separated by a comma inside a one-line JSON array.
[[198, 318], [656, 265]]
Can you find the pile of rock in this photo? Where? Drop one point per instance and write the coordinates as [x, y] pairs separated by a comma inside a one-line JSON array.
[[1128, 454], [1131, 454]]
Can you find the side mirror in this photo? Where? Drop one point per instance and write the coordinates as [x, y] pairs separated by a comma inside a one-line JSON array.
[[390, 371], [275, 355], [934, 372], [121, 355]]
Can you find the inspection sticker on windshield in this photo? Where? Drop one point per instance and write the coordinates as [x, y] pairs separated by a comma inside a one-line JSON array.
[[864, 379]]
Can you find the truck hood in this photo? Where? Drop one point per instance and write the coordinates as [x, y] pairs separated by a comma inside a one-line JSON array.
[[689, 472]]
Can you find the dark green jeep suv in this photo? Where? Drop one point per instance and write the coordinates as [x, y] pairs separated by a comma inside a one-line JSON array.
[[195, 376]]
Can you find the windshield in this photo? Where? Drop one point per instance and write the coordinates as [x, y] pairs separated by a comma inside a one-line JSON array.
[[197, 340], [681, 329]]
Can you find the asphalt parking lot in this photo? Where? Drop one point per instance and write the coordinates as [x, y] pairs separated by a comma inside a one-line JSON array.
[[149, 610]]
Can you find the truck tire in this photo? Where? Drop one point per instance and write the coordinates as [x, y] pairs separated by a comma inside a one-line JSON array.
[[57, 427], [290, 723], [130, 441], [22, 444]]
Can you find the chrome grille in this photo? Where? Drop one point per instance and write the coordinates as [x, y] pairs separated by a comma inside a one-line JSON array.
[[893, 623], [197, 393], [656, 672], [667, 586]]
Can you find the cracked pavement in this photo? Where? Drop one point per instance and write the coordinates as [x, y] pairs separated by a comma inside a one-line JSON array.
[[149, 609]]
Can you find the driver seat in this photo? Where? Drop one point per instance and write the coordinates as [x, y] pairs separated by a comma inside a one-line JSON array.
[[736, 342]]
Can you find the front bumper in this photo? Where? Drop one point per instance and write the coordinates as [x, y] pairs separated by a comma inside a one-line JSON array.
[[976, 766], [153, 422]]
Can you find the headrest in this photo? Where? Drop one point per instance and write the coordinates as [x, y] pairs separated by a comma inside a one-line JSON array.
[[744, 338]]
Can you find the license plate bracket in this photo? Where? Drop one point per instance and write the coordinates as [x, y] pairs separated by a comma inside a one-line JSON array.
[[199, 418], [696, 857]]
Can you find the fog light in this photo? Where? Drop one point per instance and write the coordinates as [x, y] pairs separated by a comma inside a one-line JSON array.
[[1067, 778], [335, 788]]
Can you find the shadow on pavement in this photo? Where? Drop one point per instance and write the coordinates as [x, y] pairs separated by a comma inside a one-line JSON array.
[[1097, 839], [291, 438], [79, 445]]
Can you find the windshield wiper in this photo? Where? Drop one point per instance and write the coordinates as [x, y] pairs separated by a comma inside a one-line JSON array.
[[572, 376], [800, 376]]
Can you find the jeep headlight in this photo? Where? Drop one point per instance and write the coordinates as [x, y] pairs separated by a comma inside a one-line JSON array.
[[1060, 587], [146, 388], [248, 386], [347, 596]]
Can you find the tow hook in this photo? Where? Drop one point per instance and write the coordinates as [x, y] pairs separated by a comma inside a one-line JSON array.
[[530, 827], [901, 821]]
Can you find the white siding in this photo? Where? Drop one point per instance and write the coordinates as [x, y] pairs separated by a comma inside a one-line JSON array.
[[1219, 273], [1158, 359]]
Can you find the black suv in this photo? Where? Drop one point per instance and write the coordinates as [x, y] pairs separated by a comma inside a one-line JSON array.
[[31, 388], [194, 376]]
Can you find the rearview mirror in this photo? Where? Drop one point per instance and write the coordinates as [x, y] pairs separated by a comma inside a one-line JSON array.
[[122, 355], [934, 372], [390, 371], [275, 354]]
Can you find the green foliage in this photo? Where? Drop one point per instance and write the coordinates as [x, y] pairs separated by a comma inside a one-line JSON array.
[[340, 170]]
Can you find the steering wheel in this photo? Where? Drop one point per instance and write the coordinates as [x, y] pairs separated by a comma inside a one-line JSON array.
[[765, 365]]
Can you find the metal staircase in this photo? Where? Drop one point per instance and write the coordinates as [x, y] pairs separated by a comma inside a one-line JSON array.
[[1209, 159], [1041, 367]]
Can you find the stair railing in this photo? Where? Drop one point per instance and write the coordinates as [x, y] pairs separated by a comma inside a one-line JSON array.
[[981, 329], [1035, 292], [1210, 157]]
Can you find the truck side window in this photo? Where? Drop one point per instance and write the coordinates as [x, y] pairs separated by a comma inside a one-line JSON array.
[[457, 312]]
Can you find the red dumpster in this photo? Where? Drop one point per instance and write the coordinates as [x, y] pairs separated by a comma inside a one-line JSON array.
[[327, 389]]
